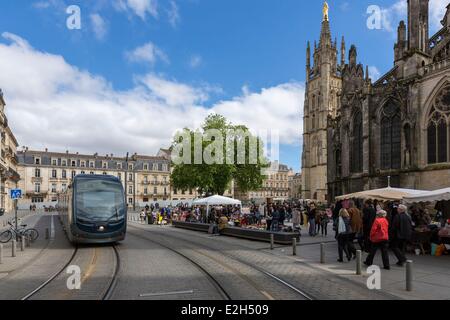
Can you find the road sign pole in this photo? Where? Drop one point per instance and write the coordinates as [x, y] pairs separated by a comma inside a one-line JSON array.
[[15, 209]]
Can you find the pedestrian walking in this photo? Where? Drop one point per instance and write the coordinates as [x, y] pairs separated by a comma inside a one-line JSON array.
[[142, 216], [369, 216], [379, 238], [343, 230], [324, 220], [318, 221], [402, 232], [312, 220], [357, 226]]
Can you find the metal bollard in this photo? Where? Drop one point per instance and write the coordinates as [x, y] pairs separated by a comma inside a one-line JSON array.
[[409, 275], [359, 262], [28, 241], [47, 234], [322, 253], [14, 248], [271, 241], [22, 243], [294, 246], [1, 253]]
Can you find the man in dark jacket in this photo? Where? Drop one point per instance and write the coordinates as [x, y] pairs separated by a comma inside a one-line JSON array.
[[401, 231], [369, 216]]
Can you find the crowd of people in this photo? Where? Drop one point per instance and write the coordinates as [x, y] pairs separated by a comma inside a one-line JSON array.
[[378, 226], [374, 226]]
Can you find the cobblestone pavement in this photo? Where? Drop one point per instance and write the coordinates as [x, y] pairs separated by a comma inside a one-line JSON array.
[[319, 284], [151, 272], [31, 268], [240, 281]]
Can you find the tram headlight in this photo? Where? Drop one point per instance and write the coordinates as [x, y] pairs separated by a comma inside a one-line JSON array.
[[101, 228]]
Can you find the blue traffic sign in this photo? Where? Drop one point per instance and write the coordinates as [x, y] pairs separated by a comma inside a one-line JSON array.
[[16, 194]]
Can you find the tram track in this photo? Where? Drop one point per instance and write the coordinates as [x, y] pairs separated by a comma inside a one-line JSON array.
[[52, 278], [104, 295], [284, 283], [211, 278]]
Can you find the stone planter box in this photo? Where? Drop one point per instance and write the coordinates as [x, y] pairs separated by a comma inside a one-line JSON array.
[[258, 235]]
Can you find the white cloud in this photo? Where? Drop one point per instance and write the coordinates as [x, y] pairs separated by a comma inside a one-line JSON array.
[[56, 105], [148, 53], [173, 13], [392, 15], [99, 26], [374, 73], [139, 7], [437, 12], [195, 61]]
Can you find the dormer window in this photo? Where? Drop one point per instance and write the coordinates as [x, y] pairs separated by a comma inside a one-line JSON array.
[[37, 161]]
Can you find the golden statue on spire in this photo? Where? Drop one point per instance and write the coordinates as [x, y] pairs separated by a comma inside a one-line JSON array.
[[325, 11]]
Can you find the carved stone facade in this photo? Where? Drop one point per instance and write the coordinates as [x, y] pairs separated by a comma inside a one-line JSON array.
[[323, 87], [398, 126]]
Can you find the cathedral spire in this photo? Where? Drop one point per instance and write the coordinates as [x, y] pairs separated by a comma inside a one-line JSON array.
[[325, 33], [343, 51], [308, 60], [325, 11]]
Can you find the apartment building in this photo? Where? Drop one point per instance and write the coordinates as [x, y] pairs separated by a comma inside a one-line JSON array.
[[275, 186], [45, 174], [9, 177]]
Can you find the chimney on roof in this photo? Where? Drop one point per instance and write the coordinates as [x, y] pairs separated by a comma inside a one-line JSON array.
[[67, 151], [46, 150]]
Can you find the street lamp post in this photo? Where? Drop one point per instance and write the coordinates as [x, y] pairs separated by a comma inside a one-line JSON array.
[[126, 177]]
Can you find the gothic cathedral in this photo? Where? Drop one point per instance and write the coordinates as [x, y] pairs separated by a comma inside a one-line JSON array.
[[358, 133]]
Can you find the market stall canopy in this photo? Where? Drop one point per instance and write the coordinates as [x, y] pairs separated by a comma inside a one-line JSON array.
[[429, 196], [216, 200], [385, 194]]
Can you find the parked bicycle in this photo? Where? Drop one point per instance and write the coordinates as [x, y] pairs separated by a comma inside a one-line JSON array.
[[7, 235]]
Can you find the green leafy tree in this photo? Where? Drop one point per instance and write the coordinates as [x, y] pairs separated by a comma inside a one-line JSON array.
[[232, 153]]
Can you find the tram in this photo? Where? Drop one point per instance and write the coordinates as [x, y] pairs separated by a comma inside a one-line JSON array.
[[93, 210]]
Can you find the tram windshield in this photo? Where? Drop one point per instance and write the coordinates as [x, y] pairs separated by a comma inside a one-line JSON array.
[[99, 200]]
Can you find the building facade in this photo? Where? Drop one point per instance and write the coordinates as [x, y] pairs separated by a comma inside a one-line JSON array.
[[275, 186], [295, 185], [9, 176], [323, 87], [45, 174], [398, 126]]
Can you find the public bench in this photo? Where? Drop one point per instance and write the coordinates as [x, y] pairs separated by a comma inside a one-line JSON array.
[[258, 235]]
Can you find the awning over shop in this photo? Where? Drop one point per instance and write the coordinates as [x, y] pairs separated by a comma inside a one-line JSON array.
[[385, 194], [429, 196]]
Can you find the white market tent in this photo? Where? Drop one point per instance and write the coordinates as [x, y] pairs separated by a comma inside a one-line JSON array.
[[429, 196], [385, 194], [216, 201]]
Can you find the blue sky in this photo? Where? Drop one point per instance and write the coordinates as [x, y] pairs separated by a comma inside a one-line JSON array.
[[139, 69]]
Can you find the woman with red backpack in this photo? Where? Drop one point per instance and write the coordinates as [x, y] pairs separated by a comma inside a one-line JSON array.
[[379, 237]]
